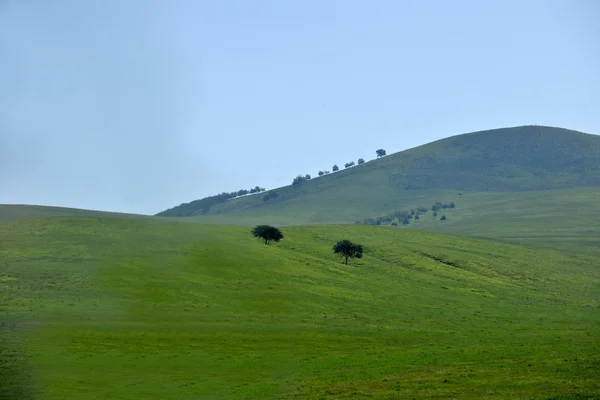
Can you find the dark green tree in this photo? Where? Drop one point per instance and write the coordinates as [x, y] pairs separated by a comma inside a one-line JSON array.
[[298, 180], [347, 249], [267, 233], [380, 153], [360, 161], [321, 173], [443, 218], [335, 168]]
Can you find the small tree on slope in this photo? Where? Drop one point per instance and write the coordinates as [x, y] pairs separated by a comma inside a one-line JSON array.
[[347, 249], [267, 233]]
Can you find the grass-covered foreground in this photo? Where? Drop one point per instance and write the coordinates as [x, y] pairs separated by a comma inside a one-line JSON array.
[[103, 308]]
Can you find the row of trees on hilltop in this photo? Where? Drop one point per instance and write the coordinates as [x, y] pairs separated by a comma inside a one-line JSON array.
[[303, 178], [202, 206]]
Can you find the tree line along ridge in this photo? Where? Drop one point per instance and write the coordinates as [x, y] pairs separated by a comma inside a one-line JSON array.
[[202, 206]]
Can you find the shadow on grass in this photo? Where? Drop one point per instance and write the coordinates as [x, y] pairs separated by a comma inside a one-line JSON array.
[[15, 377]]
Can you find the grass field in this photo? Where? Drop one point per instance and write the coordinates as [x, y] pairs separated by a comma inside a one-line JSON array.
[[25, 211], [97, 308]]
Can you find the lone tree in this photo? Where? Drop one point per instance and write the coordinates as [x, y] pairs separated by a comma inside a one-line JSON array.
[[267, 233], [361, 161], [335, 168], [347, 249], [380, 153]]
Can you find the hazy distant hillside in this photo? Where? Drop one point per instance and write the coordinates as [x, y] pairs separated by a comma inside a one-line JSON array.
[[18, 211], [502, 160]]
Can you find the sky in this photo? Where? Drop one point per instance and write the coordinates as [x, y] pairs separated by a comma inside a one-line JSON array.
[[141, 105]]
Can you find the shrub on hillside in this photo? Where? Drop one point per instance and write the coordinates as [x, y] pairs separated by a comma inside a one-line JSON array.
[[439, 206], [299, 180], [257, 189], [270, 195]]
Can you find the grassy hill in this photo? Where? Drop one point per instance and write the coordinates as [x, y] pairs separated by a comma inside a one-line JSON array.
[[95, 308], [511, 160], [23, 211]]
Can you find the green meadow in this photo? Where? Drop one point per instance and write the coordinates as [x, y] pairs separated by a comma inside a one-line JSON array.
[[500, 300], [115, 308]]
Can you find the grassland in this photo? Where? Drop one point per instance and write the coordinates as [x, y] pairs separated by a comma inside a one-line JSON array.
[[97, 308], [565, 219], [26, 211]]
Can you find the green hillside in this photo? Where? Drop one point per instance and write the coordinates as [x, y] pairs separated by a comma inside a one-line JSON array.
[[510, 160], [99, 308], [22, 211], [565, 218]]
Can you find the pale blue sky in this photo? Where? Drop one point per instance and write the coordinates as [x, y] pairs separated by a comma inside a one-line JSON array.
[[140, 105]]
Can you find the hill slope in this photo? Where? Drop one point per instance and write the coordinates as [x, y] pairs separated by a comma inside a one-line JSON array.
[[502, 160], [108, 308], [22, 211]]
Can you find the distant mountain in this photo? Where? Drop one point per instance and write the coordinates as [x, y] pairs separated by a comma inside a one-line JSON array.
[[518, 159]]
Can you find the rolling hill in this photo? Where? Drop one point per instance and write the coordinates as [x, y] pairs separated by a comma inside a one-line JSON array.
[[509, 160], [532, 185], [25, 211], [95, 308]]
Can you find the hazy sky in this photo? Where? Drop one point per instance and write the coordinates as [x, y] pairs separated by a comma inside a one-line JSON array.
[[140, 105]]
